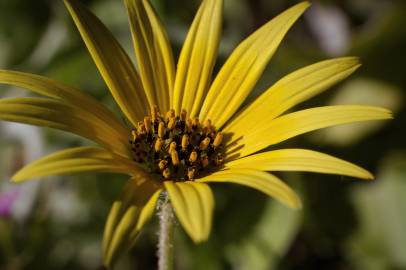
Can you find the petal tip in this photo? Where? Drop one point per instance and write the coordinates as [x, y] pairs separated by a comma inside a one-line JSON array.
[[199, 239], [351, 62], [17, 178], [356, 61], [293, 201], [386, 113], [390, 115], [300, 7], [296, 204], [67, 2], [305, 4], [369, 176]]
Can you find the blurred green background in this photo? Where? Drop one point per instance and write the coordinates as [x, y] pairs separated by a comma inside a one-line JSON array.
[[57, 223]]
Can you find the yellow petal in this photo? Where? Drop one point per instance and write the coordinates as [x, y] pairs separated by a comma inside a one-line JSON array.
[[293, 124], [244, 67], [148, 211], [145, 215], [193, 203], [259, 180], [74, 160], [292, 90], [153, 52], [56, 114], [126, 216], [53, 89], [299, 160], [112, 61], [198, 57]]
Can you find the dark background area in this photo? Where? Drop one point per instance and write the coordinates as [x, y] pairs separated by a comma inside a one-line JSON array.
[[57, 223]]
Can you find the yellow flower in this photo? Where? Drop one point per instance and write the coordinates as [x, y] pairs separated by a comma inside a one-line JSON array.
[[186, 130]]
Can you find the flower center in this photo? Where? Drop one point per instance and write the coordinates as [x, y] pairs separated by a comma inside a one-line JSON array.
[[176, 147]]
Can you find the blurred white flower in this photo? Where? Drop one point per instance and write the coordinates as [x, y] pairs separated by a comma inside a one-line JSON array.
[[331, 28], [19, 199]]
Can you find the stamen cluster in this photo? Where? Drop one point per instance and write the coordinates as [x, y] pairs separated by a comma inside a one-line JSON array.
[[176, 147]]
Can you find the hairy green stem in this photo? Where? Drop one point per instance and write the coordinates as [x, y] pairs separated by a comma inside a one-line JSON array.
[[165, 236]]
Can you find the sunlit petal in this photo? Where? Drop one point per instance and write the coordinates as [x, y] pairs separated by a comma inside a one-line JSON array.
[[291, 90], [259, 180], [299, 160], [293, 124], [53, 89], [112, 61], [193, 203], [74, 160], [153, 51], [244, 67], [55, 114], [198, 57]]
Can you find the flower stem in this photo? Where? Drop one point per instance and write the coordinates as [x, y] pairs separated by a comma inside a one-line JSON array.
[[165, 241]]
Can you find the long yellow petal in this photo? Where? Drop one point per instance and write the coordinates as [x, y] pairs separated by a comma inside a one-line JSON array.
[[147, 211], [300, 122], [259, 180], [299, 160], [198, 57], [292, 90], [53, 89], [145, 215], [112, 61], [193, 203], [153, 52], [244, 67], [56, 114], [122, 225], [74, 160]]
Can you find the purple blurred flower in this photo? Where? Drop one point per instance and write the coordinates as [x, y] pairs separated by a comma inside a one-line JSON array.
[[7, 200]]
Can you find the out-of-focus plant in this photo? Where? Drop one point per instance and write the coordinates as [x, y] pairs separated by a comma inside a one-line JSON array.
[[376, 34]]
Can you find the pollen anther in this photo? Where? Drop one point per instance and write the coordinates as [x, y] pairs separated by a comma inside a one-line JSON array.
[[172, 147], [154, 113], [147, 124], [161, 129], [218, 139], [158, 145], [193, 156], [166, 173], [185, 141], [191, 173], [205, 143], [171, 123], [175, 158]]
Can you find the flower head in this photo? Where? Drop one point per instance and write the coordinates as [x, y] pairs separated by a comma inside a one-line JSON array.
[[185, 131]]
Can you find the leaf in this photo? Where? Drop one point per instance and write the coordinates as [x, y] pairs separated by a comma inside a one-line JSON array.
[[379, 239]]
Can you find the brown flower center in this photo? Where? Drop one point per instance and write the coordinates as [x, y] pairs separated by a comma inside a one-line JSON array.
[[176, 147]]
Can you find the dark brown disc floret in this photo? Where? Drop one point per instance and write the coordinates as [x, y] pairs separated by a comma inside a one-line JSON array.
[[176, 147]]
